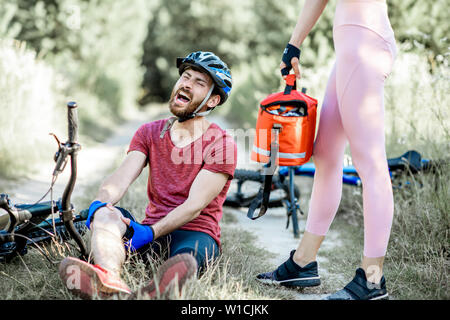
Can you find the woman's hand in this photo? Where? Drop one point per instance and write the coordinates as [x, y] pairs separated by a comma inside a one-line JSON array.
[[295, 66], [289, 60]]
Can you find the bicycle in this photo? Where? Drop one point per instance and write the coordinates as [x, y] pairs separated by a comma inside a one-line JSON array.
[[288, 194], [33, 224]]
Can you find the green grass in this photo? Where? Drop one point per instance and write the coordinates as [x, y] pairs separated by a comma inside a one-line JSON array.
[[419, 249]]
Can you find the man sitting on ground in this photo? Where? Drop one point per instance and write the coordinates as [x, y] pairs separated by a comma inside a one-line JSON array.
[[191, 163]]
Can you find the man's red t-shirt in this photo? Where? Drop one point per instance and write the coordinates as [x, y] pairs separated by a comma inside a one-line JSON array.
[[172, 171]]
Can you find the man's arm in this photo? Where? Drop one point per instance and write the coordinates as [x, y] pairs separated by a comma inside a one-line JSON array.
[[206, 186], [115, 186]]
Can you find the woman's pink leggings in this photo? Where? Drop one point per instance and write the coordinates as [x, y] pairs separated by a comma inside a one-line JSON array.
[[353, 111]]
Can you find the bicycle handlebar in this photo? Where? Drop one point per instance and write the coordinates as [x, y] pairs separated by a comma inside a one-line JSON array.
[[72, 149], [73, 121]]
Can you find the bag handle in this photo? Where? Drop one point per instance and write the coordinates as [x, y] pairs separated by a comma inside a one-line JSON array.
[[290, 83]]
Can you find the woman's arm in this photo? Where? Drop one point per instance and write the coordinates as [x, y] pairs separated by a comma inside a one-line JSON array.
[[309, 15]]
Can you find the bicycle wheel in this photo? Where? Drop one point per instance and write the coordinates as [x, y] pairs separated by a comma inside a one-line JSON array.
[[42, 232], [37, 230], [246, 187], [243, 189]]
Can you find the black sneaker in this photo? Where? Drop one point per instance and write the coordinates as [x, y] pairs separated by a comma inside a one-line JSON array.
[[361, 289], [290, 274]]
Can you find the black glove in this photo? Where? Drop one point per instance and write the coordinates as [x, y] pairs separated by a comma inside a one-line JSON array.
[[289, 53]]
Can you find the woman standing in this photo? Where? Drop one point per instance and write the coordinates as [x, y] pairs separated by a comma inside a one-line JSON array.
[[353, 111]]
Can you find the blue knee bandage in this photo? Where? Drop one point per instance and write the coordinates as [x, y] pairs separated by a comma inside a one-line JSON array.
[[92, 208]]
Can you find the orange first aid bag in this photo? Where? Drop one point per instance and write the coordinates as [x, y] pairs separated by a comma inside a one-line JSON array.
[[296, 113]]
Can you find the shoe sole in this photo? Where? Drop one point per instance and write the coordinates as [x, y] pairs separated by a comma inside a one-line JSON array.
[[382, 297], [299, 282], [81, 279], [344, 295], [175, 271]]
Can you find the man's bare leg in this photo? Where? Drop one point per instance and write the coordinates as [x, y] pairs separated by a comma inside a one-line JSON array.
[[88, 280], [107, 246]]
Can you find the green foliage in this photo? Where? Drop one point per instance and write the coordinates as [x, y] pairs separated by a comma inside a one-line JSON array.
[[93, 50], [271, 32], [96, 44], [422, 24], [252, 83], [178, 27], [27, 103], [416, 102]]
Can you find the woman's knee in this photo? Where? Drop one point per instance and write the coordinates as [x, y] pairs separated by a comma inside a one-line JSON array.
[[370, 163], [328, 163]]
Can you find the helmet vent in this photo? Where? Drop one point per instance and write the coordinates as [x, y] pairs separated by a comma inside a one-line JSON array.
[[210, 58], [217, 66]]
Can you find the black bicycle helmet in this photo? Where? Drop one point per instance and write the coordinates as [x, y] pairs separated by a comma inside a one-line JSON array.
[[214, 66]]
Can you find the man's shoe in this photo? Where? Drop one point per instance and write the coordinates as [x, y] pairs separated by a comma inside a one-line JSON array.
[[290, 274], [172, 273], [361, 289], [87, 281]]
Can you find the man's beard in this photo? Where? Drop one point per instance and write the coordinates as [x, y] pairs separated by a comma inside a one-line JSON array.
[[182, 112]]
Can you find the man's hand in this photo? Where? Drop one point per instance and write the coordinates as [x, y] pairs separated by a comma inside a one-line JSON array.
[[142, 234]]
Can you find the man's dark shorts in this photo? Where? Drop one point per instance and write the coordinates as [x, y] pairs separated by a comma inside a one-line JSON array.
[[201, 245]]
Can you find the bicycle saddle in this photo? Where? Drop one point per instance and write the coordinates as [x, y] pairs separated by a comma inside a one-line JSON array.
[[410, 159]]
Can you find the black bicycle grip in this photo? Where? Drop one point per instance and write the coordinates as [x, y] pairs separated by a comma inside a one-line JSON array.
[[73, 121]]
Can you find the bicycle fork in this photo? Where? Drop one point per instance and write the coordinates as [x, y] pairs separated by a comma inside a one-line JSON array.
[[292, 205]]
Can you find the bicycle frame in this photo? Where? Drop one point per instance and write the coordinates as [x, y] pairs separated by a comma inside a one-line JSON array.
[[410, 160], [349, 175]]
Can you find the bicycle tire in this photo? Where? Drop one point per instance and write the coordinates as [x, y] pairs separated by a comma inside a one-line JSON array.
[[251, 175], [237, 200], [38, 235]]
